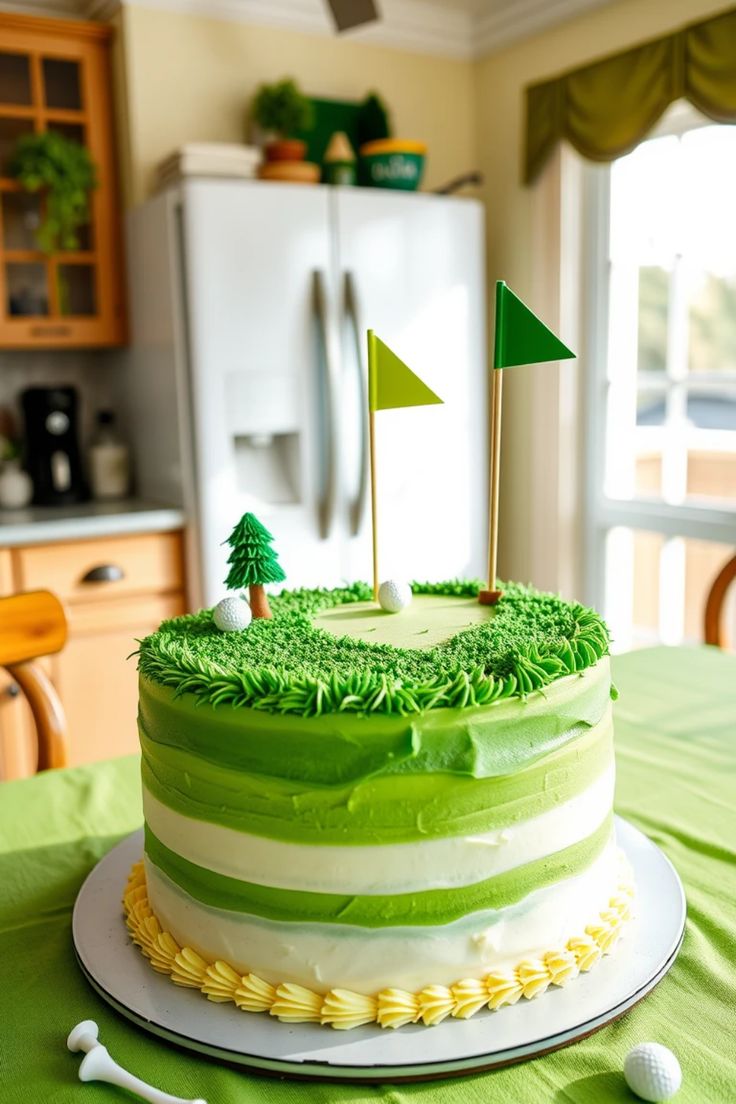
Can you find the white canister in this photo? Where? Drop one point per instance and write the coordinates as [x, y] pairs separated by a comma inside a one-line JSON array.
[[109, 460], [16, 486], [109, 471]]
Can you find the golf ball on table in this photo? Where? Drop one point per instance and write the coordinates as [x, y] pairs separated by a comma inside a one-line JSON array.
[[652, 1072]]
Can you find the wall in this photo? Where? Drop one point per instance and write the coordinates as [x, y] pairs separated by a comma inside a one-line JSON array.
[[190, 78], [534, 542]]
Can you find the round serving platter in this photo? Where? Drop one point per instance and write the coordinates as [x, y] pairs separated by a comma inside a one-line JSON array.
[[123, 977]]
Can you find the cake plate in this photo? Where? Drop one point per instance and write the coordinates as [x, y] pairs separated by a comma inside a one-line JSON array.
[[117, 970]]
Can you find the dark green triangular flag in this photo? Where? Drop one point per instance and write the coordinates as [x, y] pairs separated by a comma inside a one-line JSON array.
[[520, 337]]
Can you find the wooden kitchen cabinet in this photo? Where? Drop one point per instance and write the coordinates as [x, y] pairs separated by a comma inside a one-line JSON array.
[[54, 75], [94, 675]]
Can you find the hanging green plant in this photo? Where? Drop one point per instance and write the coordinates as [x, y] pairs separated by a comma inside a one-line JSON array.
[[64, 171]]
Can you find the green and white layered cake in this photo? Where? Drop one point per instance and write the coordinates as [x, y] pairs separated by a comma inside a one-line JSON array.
[[354, 817]]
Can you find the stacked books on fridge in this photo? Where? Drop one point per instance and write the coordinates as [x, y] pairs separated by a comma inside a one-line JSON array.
[[208, 159]]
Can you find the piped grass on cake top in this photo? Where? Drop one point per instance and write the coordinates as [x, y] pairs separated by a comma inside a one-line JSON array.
[[289, 665]]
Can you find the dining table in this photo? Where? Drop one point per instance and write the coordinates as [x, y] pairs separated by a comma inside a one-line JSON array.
[[675, 726]]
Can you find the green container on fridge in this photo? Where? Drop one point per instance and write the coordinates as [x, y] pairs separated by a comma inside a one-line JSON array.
[[392, 163]]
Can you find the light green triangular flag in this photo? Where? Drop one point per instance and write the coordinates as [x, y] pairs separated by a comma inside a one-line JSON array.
[[390, 383], [520, 337]]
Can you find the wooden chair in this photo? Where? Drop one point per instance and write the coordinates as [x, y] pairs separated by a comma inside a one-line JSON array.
[[715, 632], [33, 625]]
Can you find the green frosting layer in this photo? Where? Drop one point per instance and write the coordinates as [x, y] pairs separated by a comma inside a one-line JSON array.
[[430, 908], [481, 742], [286, 665], [379, 808]]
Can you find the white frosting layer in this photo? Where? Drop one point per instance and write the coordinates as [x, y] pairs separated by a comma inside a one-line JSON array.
[[389, 868], [324, 956]]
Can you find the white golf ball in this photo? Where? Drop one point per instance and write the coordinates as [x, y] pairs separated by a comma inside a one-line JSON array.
[[232, 614], [652, 1072], [393, 596]]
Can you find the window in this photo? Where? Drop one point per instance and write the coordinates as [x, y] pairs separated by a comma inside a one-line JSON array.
[[662, 401]]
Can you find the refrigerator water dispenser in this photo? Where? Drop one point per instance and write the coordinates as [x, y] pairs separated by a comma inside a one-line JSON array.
[[263, 422]]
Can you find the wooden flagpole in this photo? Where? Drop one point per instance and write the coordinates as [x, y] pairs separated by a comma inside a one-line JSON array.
[[374, 510], [402, 389], [490, 596], [539, 344]]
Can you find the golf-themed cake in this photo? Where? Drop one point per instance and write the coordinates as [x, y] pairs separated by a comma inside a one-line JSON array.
[[363, 811]]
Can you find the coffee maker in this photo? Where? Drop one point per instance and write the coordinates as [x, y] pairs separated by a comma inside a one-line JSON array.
[[52, 457]]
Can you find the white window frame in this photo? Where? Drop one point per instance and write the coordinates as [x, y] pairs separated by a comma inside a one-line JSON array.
[[546, 439], [601, 513]]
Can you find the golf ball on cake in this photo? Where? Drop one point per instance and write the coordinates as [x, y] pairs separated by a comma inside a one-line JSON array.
[[394, 596], [652, 1072], [232, 615]]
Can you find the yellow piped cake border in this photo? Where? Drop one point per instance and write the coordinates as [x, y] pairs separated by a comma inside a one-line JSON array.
[[344, 1009]]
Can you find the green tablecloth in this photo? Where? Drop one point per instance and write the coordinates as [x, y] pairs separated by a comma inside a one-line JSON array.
[[676, 753]]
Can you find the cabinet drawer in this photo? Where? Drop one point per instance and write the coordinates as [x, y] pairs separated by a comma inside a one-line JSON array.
[[83, 571]]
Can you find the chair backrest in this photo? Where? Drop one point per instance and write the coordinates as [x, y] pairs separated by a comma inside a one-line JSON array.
[[714, 629], [34, 625]]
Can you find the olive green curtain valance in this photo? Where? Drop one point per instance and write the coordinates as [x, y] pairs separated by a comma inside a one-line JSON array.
[[605, 109]]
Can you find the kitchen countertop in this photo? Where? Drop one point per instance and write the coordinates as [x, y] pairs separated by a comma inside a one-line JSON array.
[[46, 524]]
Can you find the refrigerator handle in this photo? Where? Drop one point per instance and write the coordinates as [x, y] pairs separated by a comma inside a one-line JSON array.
[[352, 313], [327, 443]]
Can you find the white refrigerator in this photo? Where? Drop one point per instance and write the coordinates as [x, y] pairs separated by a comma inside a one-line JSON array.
[[245, 382]]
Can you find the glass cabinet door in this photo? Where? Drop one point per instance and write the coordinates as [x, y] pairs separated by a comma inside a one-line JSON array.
[[61, 84], [15, 79], [10, 131], [54, 79], [26, 289], [76, 290], [21, 218]]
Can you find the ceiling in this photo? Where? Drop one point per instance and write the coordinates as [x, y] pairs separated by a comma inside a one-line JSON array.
[[452, 28]]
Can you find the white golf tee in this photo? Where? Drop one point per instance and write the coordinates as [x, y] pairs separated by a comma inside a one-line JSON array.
[[97, 1065]]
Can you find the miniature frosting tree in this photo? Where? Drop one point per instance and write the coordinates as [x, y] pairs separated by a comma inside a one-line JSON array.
[[253, 562]]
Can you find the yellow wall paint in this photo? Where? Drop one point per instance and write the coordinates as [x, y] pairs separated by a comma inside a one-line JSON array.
[[500, 83], [190, 78], [121, 99]]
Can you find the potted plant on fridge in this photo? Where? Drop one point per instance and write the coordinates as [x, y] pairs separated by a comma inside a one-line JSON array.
[[281, 110]]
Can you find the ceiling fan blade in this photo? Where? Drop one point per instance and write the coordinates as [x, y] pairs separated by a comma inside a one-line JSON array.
[[353, 13]]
